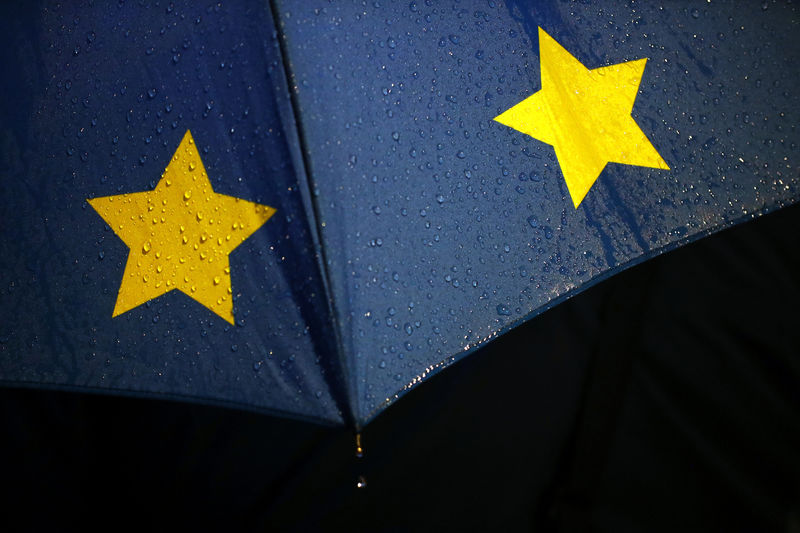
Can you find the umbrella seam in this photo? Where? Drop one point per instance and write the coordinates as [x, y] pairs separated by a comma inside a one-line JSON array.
[[347, 407]]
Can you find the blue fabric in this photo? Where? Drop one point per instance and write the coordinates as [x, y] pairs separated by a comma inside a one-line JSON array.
[[411, 228], [445, 229], [97, 97]]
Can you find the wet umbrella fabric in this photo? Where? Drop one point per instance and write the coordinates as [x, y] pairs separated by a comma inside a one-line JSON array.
[[709, 392], [418, 212]]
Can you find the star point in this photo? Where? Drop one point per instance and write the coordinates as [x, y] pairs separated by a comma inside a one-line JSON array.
[[180, 235], [585, 114]]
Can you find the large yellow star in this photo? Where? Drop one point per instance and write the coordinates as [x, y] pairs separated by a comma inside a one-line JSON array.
[[585, 115], [180, 235]]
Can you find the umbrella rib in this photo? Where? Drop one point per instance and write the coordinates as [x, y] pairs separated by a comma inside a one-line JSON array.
[[341, 375]]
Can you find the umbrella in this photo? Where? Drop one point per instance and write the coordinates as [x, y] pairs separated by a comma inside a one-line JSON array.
[[484, 444], [310, 209]]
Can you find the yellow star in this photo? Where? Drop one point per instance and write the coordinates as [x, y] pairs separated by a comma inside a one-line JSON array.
[[180, 235], [585, 115]]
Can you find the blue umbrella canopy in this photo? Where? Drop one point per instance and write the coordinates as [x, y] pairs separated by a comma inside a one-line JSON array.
[[308, 209]]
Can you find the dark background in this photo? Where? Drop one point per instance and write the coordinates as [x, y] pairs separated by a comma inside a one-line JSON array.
[[663, 399]]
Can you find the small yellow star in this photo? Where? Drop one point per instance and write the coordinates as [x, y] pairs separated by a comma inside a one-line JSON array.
[[585, 115], [180, 235]]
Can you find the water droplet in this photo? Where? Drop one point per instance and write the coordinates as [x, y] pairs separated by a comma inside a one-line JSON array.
[[146, 247], [186, 196], [503, 310]]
